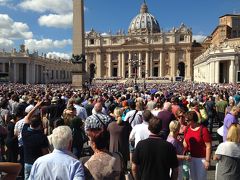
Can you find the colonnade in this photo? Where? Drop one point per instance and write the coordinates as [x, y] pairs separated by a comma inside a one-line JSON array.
[[146, 63]]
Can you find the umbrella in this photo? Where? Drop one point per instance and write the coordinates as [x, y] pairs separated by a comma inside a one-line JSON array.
[[153, 91]]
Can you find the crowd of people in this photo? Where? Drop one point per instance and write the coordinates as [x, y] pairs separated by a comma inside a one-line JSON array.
[[112, 131]]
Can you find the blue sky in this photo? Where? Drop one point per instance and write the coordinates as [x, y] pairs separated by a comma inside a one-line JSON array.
[[45, 25]]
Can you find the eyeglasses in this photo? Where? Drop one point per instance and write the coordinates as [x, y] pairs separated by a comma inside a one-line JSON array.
[[180, 116]]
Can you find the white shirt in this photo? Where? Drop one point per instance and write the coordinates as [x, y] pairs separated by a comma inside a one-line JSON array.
[[139, 132], [81, 112], [18, 131], [138, 119], [57, 165]]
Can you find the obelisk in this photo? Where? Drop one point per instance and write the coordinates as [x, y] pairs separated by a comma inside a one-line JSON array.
[[78, 44]]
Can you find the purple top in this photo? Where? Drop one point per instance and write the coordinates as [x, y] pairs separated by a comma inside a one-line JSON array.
[[178, 146], [228, 121], [166, 117]]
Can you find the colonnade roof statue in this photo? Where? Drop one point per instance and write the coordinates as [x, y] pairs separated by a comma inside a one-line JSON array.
[[144, 22]]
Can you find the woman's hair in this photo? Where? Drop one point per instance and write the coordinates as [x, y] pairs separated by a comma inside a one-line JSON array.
[[180, 111], [99, 137], [233, 134], [118, 114], [234, 109], [191, 116], [68, 115], [4, 103], [61, 137], [174, 126]]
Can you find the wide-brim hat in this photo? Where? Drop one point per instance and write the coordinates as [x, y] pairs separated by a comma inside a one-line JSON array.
[[54, 99]]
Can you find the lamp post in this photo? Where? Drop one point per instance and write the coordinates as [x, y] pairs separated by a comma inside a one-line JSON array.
[[135, 62]]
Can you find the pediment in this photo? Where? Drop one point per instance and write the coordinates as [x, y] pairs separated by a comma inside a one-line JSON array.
[[133, 41]]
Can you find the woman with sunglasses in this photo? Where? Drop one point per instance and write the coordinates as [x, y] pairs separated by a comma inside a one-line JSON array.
[[197, 141]]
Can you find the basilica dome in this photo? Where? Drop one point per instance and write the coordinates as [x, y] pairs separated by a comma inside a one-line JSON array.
[[144, 23]]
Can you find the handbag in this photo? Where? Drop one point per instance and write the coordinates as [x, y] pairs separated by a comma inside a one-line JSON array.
[[126, 174]]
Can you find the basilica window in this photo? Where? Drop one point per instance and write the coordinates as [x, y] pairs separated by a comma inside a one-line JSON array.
[[167, 39], [91, 41], [181, 37], [104, 41], [114, 40], [155, 39]]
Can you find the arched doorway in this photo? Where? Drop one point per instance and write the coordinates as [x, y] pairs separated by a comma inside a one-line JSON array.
[[181, 69]]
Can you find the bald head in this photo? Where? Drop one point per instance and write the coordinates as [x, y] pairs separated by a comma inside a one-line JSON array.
[[98, 107], [167, 106]]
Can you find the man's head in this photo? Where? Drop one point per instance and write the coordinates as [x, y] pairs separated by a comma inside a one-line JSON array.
[[147, 115], [155, 125], [167, 106], [98, 107], [62, 138], [35, 122]]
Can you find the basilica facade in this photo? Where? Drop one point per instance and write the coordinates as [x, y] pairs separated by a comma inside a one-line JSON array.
[[145, 51]]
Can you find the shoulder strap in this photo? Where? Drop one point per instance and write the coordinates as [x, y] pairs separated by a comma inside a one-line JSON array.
[[104, 125], [133, 117], [121, 159]]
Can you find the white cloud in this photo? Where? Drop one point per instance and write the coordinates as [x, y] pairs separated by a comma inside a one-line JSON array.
[[46, 44], [54, 6], [13, 30], [198, 37], [55, 20], [3, 2], [58, 55], [6, 44]]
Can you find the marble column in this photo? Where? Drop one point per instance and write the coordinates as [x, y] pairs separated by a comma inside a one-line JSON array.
[[123, 65], [151, 64], [147, 64], [232, 73], [109, 65], [208, 74], [217, 72], [36, 74], [87, 64], [15, 75], [27, 72], [33, 73], [161, 59], [129, 65], [173, 63], [119, 71], [140, 65], [98, 65], [212, 72], [188, 70]]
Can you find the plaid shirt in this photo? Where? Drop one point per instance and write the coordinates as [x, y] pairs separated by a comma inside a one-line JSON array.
[[93, 122]]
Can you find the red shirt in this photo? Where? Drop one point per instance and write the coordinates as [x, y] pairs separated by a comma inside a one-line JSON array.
[[196, 142]]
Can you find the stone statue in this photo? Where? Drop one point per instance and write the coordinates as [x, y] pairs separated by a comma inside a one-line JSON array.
[[77, 59]]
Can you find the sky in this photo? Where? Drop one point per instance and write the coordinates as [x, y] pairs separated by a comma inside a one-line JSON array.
[[46, 25]]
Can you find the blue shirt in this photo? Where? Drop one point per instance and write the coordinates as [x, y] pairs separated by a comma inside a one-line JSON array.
[[58, 165]]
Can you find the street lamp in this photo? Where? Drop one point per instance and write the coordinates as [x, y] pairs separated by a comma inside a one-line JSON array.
[[135, 62]]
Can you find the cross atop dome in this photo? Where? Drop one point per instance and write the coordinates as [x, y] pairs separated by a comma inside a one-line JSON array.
[[144, 8]]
